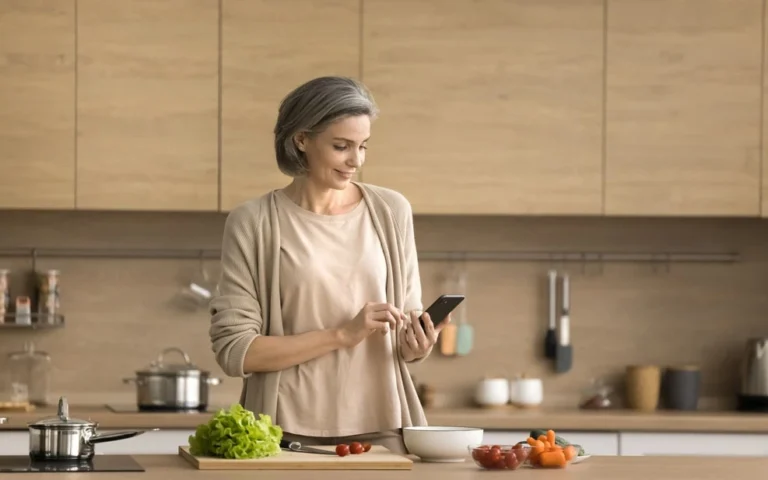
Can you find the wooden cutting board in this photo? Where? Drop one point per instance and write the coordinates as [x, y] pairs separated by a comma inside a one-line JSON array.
[[377, 458]]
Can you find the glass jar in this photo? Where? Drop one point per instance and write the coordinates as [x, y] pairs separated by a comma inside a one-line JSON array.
[[596, 396], [29, 375]]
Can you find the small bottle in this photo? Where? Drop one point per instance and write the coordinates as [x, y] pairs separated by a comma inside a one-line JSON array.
[[48, 296], [5, 294], [23, 310]]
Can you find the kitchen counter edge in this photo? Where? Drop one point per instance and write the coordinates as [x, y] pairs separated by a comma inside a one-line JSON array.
[[489, 419]]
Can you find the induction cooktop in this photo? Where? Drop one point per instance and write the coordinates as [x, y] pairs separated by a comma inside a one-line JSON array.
[[99, 463], [133, 408]]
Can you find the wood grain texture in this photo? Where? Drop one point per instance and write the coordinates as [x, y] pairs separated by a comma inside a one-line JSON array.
[[37, 104], [148, 105], [683, 107], [378, 458], [487, 107], [172, 467], [127, 311], [269, 48]]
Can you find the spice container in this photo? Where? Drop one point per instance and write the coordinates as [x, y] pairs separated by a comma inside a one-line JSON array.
[[5, 294], [31, 368], [23, 310], [48, 296], [596, 396]]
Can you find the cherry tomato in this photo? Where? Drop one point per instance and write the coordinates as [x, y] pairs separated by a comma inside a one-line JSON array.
[[355, 448], [366, 447], [493, 455], [511, 460], [342, 450]]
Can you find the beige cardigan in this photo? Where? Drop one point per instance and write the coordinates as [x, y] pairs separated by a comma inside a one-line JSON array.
[[247, 301]]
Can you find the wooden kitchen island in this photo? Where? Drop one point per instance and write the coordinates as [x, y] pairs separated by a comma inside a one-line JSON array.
[[170, 467]]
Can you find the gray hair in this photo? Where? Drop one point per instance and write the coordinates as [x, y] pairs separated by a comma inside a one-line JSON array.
[[310, 108]]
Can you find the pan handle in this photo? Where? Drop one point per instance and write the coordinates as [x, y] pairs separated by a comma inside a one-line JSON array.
[[111, 437]]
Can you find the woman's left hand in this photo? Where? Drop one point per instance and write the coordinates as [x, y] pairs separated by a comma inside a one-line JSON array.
[[417, 342]]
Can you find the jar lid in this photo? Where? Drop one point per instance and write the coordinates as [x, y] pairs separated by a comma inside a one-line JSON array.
[[62, 418]]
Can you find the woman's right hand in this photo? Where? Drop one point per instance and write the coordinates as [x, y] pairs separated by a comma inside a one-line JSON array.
[[372, 317]]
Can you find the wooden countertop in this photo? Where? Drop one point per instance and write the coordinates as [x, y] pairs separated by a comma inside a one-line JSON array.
[[171, 467], [601, 421], [490, 419]]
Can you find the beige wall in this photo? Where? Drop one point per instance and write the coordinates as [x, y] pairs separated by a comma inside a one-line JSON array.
[[120, 313]]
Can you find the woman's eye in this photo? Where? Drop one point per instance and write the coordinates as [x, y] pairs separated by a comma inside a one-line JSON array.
[[340, 147]]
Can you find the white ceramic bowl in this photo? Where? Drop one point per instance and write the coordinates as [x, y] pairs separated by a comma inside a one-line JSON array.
[[441, 444]]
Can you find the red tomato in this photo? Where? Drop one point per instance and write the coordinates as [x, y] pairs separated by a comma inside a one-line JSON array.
[[366, 447], [511, 460], [355, 448], [342, 450]]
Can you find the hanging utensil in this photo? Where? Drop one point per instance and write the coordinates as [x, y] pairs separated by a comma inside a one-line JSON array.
[[464, 333], [550, 341], [448, 336], [564, 350]]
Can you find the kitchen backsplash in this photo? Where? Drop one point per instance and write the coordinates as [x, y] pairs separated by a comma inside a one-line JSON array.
[[122, 312]]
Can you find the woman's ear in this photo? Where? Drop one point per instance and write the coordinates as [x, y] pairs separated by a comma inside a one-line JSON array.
[[300, 140]]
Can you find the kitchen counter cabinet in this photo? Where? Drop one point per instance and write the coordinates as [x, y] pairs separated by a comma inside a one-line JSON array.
[[489, 108], [37, 104], [147, 105], [659, 443], [683, 108], [172, 467]]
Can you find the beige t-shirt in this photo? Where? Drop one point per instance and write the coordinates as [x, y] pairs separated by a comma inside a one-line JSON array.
[[330, 266]]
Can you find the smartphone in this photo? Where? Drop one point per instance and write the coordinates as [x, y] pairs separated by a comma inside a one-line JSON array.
[[441, 307]]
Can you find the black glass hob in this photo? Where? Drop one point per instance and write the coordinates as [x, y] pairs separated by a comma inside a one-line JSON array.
[[99, 463]]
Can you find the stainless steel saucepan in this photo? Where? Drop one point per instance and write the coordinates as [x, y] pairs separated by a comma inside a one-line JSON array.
[[172, 386], [65, 438]]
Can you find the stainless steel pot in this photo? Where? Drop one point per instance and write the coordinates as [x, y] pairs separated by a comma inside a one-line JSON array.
[[164, 386], [65, 438]]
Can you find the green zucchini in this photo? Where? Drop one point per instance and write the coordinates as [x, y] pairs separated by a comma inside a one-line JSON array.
[[558, 440]]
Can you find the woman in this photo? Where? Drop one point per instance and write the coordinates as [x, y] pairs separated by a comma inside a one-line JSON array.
[[318, 303]]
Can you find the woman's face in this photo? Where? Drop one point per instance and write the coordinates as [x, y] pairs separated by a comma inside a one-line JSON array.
[[337, 153]]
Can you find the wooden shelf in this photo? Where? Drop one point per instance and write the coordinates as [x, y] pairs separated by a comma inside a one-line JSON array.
[[37, 321]]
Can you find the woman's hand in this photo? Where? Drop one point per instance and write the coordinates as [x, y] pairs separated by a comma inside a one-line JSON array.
[[415, 342], [372, 317]]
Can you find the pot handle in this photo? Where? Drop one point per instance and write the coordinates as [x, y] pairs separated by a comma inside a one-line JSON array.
[[111, 437], [213, 381]]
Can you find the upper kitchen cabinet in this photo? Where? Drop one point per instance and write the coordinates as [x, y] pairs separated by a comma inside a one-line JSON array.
[[683, 107], [270, 47], [37, 104], [489, 106], [148, 105]]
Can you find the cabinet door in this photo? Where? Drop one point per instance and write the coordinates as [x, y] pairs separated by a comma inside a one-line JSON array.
[[723, 444], [269, 47], [683, 107], [148, 105], [487, 107], [37, 104]]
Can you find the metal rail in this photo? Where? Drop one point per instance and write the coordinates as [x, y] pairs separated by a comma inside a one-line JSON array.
[[480, 256]]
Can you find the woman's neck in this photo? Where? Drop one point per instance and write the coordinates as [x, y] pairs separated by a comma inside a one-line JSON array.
[[317, 199]]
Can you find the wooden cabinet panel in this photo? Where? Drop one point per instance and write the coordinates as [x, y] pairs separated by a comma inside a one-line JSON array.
[[487, 107], [270, 47], [148, 105], [683, 107], [37, 104]]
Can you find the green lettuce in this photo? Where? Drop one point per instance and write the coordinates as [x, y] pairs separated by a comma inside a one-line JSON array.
[[236, 433]]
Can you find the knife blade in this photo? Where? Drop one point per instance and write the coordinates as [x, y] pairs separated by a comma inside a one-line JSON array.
[[297, 447]]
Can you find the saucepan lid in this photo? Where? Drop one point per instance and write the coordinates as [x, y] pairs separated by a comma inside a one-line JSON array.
[[161, 366], [62, 419]]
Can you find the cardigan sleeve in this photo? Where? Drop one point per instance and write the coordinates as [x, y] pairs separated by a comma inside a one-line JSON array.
[[413, 301], [236, 316]]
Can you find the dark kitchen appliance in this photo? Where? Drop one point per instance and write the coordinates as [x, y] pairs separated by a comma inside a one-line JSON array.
[[753, 391], [97, 463]]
